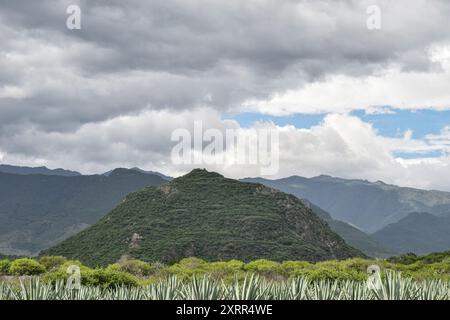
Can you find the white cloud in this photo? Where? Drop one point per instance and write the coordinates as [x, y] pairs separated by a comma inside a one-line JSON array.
[[110, 94], [341, 145], [132, 56], [341, 93], [441, 140], [135, 140], [391, 86]]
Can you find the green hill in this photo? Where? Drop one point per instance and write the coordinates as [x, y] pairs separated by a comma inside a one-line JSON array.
[[205, 215], [37, 211]]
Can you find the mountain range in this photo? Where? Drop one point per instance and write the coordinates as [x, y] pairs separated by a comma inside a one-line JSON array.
[[40, 207], [167, 178], [5, 168], [206, 215], [419, 233], [39, 210], [353, 236], [369, 206]]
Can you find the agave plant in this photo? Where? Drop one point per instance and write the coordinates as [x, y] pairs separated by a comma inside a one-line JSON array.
[[249, 289], [4, 291], [32, 289], [252, 287], [87, 293], [168, 289], [394, 287], [293, 289], [201, 289], [124, 293], [433, 290], [354, 290], [325, 290], [298, 288]]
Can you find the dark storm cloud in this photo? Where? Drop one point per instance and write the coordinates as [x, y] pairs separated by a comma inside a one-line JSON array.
[[132, 56]]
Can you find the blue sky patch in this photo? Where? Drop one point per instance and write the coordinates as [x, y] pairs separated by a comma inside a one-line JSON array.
[[421, 122], [416, 155], [297, 120], [392, 124]]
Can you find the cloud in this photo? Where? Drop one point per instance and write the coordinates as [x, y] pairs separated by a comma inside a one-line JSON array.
[[142, 139], [133, 55], [111, 93], [441, 140], [341, 145], [345, 146], [411, 90]]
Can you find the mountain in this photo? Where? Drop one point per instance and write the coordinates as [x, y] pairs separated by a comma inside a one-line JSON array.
[[167, 178], [353, 236], [369, 206], [410, 258], [9, 257], [419, 233], [37, 170], [153, 172], [205, 215], [37, 211]]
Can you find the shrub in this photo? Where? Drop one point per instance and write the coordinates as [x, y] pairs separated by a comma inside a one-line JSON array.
[[136, 267], [188, 267], [52, 262], [136, 272], [26, 267], [323, 273], [158, 267], [358, 264], [110, 278], [4, 266], [191, 263], [407, 258], [220, 269], [295, 268], [264, 267], [61, 273]]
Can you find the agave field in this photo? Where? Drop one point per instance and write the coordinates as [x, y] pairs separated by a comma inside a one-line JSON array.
[[392, 287]]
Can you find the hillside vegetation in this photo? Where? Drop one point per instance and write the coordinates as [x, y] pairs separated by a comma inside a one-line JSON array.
[[369, 206], [37, 211], [353, 236], [136, 272], [206, 215], [420, 233]]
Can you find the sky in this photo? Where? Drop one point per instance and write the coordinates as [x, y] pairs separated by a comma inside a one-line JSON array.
[[346, 100]]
